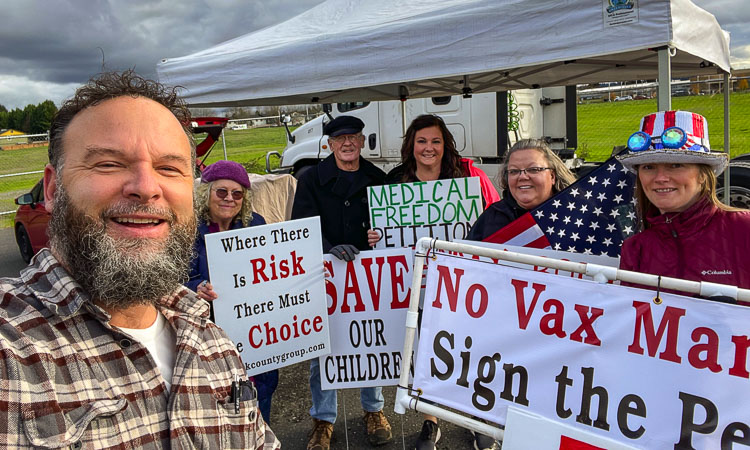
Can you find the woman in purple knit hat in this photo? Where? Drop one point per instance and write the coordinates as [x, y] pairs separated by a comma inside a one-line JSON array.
[[223, 202]]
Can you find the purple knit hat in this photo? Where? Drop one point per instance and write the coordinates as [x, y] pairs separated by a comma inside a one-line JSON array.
[[226, 170]]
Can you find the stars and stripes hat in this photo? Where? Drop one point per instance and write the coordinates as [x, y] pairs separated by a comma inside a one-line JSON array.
[[672, 137]]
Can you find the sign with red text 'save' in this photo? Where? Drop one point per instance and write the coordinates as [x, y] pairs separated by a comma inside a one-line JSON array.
[[367, 303], [599, 357], [271, 291]]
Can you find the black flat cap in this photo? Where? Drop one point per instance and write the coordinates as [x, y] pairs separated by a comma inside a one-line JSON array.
[[343, 125]]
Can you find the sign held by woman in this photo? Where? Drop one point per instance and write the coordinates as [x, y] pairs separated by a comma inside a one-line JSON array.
[[444, 209], [271, 285]]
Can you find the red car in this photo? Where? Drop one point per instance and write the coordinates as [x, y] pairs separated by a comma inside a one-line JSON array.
[[31, 222]]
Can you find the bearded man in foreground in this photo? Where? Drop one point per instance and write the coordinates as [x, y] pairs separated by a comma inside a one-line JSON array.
[[100, 346]]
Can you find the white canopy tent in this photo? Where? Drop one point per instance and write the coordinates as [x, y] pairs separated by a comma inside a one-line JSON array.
[[348, 50]]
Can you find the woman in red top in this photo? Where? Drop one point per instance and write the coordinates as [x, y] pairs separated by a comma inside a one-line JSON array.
[[429, 153], [686, 231]]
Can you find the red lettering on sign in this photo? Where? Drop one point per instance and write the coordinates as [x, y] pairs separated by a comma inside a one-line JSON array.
[[586, 326], [371, 284], [397, 281], [451, 290], [351, 286], [670, 322], [524, 314]]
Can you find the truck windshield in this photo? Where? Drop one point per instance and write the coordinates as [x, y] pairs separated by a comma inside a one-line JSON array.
[[351, 106]]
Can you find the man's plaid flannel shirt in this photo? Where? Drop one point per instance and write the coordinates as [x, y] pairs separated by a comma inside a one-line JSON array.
[[68, 378]]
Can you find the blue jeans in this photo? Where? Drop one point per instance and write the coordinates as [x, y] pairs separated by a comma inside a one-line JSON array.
[[266, 384], [324, 403]]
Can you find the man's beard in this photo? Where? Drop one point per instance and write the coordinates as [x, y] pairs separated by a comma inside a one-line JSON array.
[[120, 272]]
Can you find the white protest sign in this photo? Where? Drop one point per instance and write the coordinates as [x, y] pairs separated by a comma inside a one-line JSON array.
[[367, 303], [599, 357], [444, 209], [271, 291], [545, 252]]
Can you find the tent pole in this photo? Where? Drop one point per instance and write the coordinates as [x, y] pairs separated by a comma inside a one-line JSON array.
[[403, 93], [664, 93], [224, 143], [727, 89], [403, 117]]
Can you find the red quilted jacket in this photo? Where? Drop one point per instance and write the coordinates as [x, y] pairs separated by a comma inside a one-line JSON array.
[[702, 243]]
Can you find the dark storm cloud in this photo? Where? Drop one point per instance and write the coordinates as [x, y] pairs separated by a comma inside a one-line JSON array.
[[47, 47], [65, 41]]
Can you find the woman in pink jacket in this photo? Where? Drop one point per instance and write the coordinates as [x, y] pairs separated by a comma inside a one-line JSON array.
[[686, 231], [428, 153]]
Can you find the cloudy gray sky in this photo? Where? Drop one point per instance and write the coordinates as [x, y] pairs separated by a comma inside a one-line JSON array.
[[49, 47]]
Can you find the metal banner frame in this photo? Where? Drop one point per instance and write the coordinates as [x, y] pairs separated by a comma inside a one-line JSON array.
[[405, 400]]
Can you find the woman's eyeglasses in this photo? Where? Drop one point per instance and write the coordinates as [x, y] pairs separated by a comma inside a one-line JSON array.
[[223, 192], [531, 171]]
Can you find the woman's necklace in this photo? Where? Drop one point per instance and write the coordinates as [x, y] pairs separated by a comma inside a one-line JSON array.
[[670, 219]]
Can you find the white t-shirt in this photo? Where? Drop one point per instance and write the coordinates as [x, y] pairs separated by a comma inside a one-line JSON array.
[[161, 342]]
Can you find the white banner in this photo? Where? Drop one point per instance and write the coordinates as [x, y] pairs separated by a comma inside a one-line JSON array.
[[444, 209], [271, 301], [602, 358], [367, 303]]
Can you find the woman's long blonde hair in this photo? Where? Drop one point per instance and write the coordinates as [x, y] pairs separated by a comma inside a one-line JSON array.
[[202, 198]]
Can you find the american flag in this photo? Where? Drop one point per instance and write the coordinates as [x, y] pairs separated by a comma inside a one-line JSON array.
[[592, 216]]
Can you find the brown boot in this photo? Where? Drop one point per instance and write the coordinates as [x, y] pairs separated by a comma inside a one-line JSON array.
[[378, 428], [320, 435]]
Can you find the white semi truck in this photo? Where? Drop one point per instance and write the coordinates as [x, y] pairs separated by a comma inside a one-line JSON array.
[[484, 126]]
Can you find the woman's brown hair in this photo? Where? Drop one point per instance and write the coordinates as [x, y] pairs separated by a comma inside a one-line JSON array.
[[450, 165]]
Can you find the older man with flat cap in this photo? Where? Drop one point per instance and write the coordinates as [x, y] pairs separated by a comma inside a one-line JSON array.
[[336, 190], [100, 344]]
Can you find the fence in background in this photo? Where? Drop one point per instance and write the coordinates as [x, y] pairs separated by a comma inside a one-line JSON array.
[[22, 160], [608, 115]]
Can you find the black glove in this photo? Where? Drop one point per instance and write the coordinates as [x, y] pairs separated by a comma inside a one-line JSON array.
[[345, 252]]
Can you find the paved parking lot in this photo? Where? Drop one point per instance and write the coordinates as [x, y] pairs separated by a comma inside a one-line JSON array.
[[10, 259]]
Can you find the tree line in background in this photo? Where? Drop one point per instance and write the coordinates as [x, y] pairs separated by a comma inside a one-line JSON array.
[[33, 119]]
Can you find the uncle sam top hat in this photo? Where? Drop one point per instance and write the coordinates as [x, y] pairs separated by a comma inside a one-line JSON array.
[[672, 137]]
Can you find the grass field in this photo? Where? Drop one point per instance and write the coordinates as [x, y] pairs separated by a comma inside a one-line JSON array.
[[249, 147], [604, 125]]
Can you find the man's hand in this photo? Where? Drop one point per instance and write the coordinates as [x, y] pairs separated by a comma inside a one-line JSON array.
[[345, 252], [206, 291], [372, 237]]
